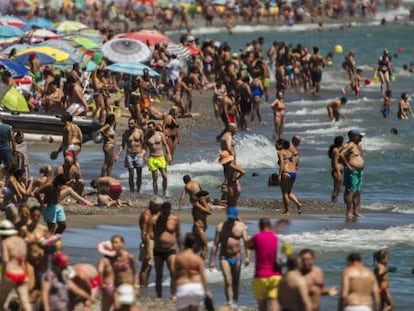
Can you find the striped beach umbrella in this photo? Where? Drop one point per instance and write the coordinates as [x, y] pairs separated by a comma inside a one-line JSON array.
[[149, 37], [126, 50], [41, 22], [178, 49], [11, 21]]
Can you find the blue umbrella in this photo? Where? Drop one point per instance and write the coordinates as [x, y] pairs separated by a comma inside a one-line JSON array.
[[7, 31], [135, 69], [18, 47], [44, 59], [41, 22], [17, 70]]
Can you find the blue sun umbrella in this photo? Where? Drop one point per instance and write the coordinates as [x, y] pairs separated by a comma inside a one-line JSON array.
[[41, 22], [44, 59], [7, 31], [17, 70], [135, 69]]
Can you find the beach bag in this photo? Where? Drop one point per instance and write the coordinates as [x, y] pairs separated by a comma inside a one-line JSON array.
[[273, 180]]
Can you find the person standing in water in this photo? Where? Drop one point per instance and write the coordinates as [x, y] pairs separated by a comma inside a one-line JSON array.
[[381, 271], [337, 166], [351, 155]]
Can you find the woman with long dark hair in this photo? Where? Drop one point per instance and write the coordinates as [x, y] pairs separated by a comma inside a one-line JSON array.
[[337, 166]]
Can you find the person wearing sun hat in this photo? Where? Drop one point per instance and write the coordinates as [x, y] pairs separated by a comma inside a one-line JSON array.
[[232, 173], [351, 155], [228, 237], [14, 251]]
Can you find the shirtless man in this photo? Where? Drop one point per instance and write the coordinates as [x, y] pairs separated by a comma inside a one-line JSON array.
[[155, 141], [147, 220], [191, 188], [72, 174], [314, 278], [200, 211], [359, 288], [166, 231], [228, 237], [334, 108], [13, 251], [293, 291], [133, 138], [72, 139], [316, 64], [351, 155]]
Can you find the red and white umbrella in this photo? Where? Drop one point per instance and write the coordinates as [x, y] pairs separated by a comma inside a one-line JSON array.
[[11, 21], [40, 35], [148, 37]]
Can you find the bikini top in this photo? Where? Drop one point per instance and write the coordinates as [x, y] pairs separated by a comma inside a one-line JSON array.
[[120, 266]]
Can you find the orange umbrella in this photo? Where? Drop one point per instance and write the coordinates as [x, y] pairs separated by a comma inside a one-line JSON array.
[[148, 37]]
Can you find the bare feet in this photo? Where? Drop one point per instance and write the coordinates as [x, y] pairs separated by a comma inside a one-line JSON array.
[[300, 209]]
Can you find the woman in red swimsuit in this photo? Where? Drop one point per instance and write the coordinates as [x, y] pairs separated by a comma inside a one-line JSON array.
[[278, 107]]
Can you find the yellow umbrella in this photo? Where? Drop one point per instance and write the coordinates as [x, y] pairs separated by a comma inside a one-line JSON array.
[[59, 55], [69, 26]]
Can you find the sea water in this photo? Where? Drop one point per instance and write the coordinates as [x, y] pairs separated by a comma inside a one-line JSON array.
[[389, 158]]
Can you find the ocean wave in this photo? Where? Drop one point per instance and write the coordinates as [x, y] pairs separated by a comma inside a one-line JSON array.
[[352, 239]]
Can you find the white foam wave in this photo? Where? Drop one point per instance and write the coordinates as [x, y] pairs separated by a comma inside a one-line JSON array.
[[255, 151], [306, 123], [403, 208], [352, 240]]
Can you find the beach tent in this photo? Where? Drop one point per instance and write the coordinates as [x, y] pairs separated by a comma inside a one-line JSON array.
[[13, 100]]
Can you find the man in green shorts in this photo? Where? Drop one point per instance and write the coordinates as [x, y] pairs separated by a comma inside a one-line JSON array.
[[351, 155], [157, 161]]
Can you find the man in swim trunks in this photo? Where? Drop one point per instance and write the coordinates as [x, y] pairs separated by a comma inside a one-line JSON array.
[[133, 139], [167, 231], [192, 187], [14, 251], [200, 211], [155, 141], [351, 155], [316, 64], [147, 221], [267, 275], [334, 108], [228, 237], [359, 289]]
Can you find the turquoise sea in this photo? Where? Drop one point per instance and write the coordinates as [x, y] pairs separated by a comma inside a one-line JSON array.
[[388, 180]]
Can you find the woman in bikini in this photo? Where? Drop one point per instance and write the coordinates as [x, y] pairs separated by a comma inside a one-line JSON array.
[[13, 251], [384, 70], [190, 277], [108, 133], [106, 274], [232, 174], [381, 273], [278, 107], [123, 266], [337, 166], [404, 107], [287, 176], [170, 129]]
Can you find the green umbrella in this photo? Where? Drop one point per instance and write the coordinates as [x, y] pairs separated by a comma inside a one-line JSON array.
[[86, 43]]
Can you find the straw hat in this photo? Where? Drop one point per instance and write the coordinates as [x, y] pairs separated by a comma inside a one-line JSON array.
[[225, 157], [7, 228], [106, 249]]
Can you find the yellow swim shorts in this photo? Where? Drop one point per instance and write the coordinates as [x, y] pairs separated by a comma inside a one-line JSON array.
[[264, 288], [156, 163]]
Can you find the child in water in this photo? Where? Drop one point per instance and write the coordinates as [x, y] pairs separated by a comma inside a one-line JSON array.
[[381, 273], [386, 106]]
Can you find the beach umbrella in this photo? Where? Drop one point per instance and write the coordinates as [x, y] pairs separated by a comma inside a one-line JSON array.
[[8, 41], [18, 47], [147, 36], [11, 21], [178, 49], [41, 22], [124, 50], [44, 59], [7, 31], [13, 100], [60, 44], [59, 55], [41, 34], [132, 68], [69, 26], [86, 43], [17, 70]]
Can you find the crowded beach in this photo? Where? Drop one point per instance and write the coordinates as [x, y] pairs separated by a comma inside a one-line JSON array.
[[105, 79]]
